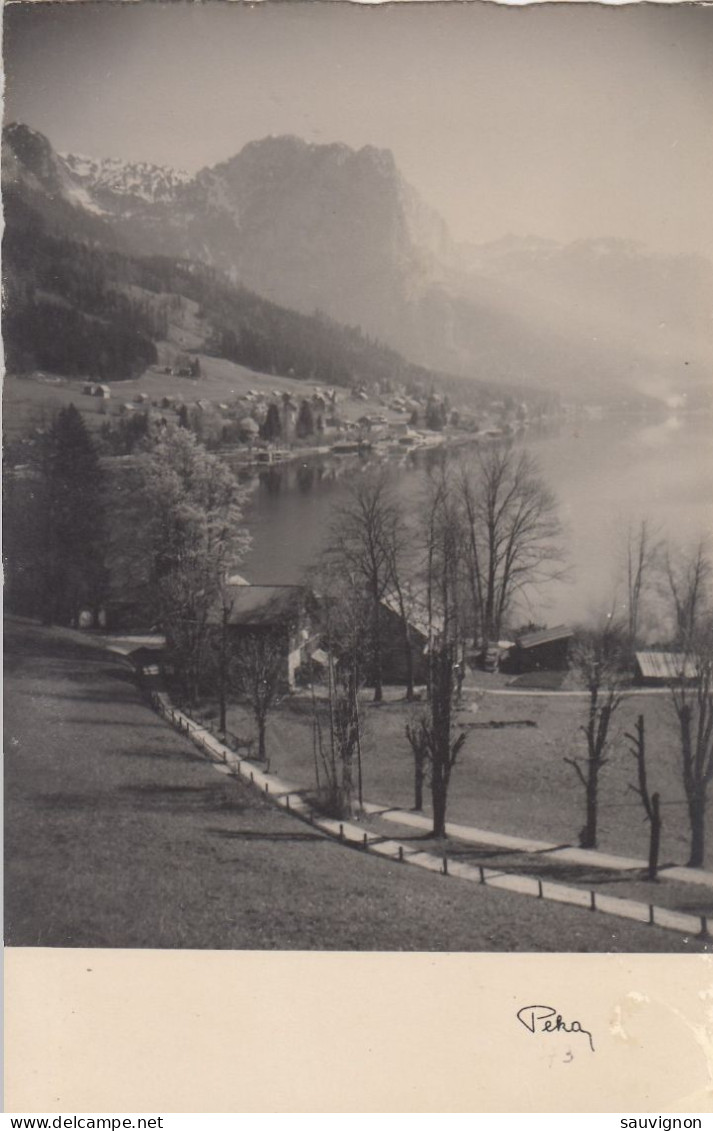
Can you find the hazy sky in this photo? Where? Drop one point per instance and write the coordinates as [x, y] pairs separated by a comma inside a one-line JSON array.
[[559, 121]]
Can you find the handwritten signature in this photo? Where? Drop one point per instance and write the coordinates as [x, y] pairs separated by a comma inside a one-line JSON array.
[[546, 1019]]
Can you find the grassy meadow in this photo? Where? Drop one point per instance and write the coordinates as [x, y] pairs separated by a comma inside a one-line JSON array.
[[513, 778], [119, 834]]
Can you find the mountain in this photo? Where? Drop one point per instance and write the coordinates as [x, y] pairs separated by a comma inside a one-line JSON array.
[[325, 227], [36, 180], [124, 182], [331, 229], [76, 305]]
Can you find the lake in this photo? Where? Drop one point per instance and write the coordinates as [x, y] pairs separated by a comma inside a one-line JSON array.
[[604, 473]]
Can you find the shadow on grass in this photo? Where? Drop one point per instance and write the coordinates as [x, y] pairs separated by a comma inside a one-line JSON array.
[[130, 696], [178, 754], [512, 861], [140, 725], [181, 798], [251, 834], [150, 797], [98, 671], [705, 907], [71, 802]]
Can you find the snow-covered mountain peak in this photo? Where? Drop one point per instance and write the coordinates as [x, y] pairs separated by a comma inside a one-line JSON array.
[[139, 179]]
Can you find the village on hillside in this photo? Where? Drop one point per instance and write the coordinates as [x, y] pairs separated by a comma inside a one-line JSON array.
[[254, 419]]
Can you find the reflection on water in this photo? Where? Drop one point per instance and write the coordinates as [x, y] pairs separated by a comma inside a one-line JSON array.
[[604, 474]]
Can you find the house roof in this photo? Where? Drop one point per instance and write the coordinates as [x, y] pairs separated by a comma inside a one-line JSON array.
[[134, 645], [665, 665], [416, 613], [544, 636], [263, 604]]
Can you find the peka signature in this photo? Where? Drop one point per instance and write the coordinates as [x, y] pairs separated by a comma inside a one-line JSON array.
[[546, 1019]]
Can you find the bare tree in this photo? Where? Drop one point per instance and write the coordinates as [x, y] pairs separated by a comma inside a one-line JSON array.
[[692, 699], [650, 801], [222, 658], [688, 576], [257, 666], [400, 549], [417, 733], [597, 656], [346, 638], [641, 553], [444, 580], [366, 540], [514, 535]]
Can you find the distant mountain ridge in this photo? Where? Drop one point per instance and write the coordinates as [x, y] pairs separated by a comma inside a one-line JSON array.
[[332, 229], [77, 304], [125, 179]]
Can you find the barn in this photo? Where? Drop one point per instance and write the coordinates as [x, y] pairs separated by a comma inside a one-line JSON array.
[[283, 612], [545, 650], [658, 669], [394, 657]]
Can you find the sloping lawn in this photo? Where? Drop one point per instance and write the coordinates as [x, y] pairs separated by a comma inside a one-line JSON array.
[[119, 834]]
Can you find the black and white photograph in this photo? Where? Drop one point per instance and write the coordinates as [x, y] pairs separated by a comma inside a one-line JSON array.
[[358, 477]]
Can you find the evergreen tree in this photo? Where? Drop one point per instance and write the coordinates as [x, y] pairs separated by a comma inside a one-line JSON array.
[[271, 428], [305, 421], [67, 539], [435, 418]]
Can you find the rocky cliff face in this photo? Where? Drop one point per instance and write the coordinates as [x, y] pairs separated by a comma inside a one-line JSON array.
[[325, 227]]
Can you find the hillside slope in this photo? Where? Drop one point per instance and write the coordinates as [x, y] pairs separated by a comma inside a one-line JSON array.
[[74, 306]]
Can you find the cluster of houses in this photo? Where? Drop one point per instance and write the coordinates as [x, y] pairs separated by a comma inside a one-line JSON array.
[[253, 408], [291, 615], [245, 419], [272, 417]]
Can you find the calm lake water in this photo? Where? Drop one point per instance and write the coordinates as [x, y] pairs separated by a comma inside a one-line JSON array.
[[604, 473]]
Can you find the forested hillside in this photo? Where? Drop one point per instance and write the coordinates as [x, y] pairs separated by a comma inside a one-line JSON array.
[[78, 307]]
